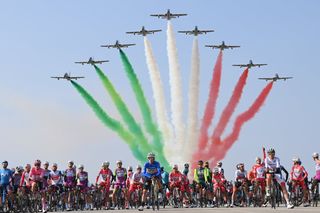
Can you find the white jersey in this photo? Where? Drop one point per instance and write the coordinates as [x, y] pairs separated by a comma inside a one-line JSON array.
[[55, 177], [240, 175], [136, 178], [272, 164]]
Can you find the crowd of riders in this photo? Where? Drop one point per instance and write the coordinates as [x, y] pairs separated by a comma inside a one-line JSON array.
[[208, 187]]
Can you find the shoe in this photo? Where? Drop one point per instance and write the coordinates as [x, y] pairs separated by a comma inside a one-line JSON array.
[[268, 193], [306, 204], [231, 205], [140, 208], [290, 206], [111, 208], [226, 205]]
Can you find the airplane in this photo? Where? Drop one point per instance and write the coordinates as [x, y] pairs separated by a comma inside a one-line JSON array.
[[118, 45], [251, 64], [143, 32], [222, 46], [67, 77], [168, 15], [196, 31], [275, 78], [90, 61]]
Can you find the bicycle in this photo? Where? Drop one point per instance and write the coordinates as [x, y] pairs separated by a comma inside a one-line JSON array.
[[154, 191], [315, 193]]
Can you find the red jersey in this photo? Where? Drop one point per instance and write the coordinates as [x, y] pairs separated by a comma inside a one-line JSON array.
[[106, 175], [258, 171], [217, 178], [36, 174], [298, 173], [175, 177]]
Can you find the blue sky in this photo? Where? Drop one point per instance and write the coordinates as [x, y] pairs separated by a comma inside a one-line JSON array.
[[47, 119]]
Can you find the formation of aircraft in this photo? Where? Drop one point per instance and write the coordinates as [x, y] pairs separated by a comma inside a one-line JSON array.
[[91, 61], [222, 46], [67, 77], [196, 31], [118, 45], [275, 78], [168, 15], [251, 64], [144, 32]]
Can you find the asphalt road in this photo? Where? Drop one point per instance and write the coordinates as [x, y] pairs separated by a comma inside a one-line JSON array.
[[218, 210]]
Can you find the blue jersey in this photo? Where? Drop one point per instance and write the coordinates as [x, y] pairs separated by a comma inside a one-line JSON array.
[[151, 170], [5, 176]]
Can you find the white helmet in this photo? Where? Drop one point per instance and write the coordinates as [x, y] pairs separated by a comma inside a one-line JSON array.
[[70, 162], [130, 168], [151, 155], [258, 158], [81, 166], [54, 165], [315, 155], [138, 167], [296, 159], [119, 161]]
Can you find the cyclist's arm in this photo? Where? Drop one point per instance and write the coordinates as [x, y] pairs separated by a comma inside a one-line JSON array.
[[285, 171], [264, 153], [195, 176], [305, 173]]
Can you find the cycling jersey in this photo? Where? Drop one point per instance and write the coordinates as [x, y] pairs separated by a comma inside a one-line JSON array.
[[70, 177], [298, 173], [5, 176], [36, 174], [317, 177], [16, 179], [240, 175], [151, 170], [120, 175], [201, 175], [55, 177], [165, 177], [273, 164], [82, 178], [25, 179], [175, 177], [106, 175], [259, 171]]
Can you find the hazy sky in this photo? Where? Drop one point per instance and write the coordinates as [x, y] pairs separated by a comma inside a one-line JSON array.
[[47, 119]]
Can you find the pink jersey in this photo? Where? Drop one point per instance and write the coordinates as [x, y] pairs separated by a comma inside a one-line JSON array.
[[298, 173], [36, 174], [175, 177], [217, 178], [317, 171], [259, 171], [82, 178]]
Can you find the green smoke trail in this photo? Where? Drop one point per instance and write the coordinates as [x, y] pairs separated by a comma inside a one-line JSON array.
[[145, 109], [110, 122], [133, 126]]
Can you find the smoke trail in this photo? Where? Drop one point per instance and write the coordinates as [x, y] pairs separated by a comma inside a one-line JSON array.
[[221, 148], [145, 109], [175, 88], [193, 96], [110, 122], [132, 124], [158, 93], [231, 106], [210, 107]]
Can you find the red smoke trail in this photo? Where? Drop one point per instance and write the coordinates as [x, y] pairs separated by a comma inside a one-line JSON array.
[[230, 108], [210, 107], [221, 148]]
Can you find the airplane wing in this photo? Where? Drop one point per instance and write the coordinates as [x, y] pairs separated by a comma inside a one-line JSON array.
[[259, 65], [127, 45], [81, 62], [285, 78], [57, 77], [186, 32], [206, 31], [109, 46], [212, 46], [267, 79], [76, 78], [233, 46], [100, 62], [153, 31], [135, 32], [239, 65], [158, 15], [179, 14]]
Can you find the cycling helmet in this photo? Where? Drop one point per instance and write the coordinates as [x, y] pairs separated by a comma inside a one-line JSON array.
[[81, 166], [216, 171], [138, 167], [186, 165], [175, 166], [296, 159], [130, 168], [315, 155], [258, 158], [161, 168], [271, 150], [219, 164], [54, 165], [5, 162], [151, 155], [46, 163], [206, 163], [200, 162], [119, 162], [70, 162], [37, 163], [106, 163], [28, 166], [19, 168]]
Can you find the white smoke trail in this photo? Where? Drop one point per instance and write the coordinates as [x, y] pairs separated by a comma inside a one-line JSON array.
[[176, 91], [193, 102], [158, 94]]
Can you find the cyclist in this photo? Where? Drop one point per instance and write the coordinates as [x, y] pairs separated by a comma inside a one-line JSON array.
[[5, 179], [151, 170], [219, 183], [83, 186], [221, 170], [16, 179], [69, 183], [316, 178], [164, 179], [272, 164], [209, 184], [106, 179], [136, 181], [25, 179], [129, 176], [241, 179], [36, 177], [46, 173], [200, 176], [175, 179], [186, 185], [120, 176], [298, 175], [258, 172], [55, 179]]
